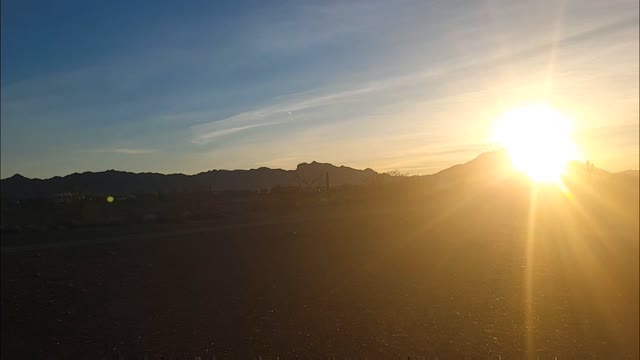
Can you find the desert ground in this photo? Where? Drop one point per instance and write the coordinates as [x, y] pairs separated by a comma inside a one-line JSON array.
[[481, 277]]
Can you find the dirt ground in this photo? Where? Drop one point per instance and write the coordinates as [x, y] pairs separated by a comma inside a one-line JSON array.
[[476, 280]]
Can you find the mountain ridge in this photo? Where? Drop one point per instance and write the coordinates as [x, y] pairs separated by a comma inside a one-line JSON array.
[[482, 168], [121, 182]]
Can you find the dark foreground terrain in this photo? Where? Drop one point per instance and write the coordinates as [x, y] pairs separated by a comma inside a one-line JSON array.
[[473, 276]]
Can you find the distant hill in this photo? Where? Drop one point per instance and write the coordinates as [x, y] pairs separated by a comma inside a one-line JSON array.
[[495, 166], [119, 182], [485, 168]]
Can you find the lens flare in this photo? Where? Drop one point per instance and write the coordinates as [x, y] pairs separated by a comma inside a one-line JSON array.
[[538, 140]]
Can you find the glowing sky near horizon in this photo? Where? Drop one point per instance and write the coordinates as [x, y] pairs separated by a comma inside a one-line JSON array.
[[407, 85]]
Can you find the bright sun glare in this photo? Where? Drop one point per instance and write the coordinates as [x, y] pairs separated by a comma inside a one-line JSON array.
[[538, 140]]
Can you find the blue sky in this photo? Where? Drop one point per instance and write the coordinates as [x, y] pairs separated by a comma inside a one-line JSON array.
[[411, 85]]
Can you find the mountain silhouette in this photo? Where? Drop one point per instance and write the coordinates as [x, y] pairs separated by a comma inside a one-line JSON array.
[[114, 182], [485, 168]]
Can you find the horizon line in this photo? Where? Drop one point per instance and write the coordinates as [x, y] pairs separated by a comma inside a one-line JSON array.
[[272, 168]]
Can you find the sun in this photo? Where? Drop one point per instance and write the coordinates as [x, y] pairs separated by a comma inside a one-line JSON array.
[[538, 140]]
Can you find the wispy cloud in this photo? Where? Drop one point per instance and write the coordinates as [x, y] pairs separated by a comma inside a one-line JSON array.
[[283, 110], [204, 138], [126, 151]]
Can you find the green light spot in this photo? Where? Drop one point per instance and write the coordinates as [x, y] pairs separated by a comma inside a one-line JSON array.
[[110, 199]]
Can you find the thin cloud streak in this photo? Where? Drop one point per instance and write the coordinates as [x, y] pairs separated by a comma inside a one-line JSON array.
[[288, 107], [127, 151], [205, 138]]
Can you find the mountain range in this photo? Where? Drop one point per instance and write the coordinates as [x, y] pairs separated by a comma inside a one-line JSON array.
[[306, 175], [115, 182]]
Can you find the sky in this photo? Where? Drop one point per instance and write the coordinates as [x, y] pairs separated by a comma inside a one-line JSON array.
[[190, 86]]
